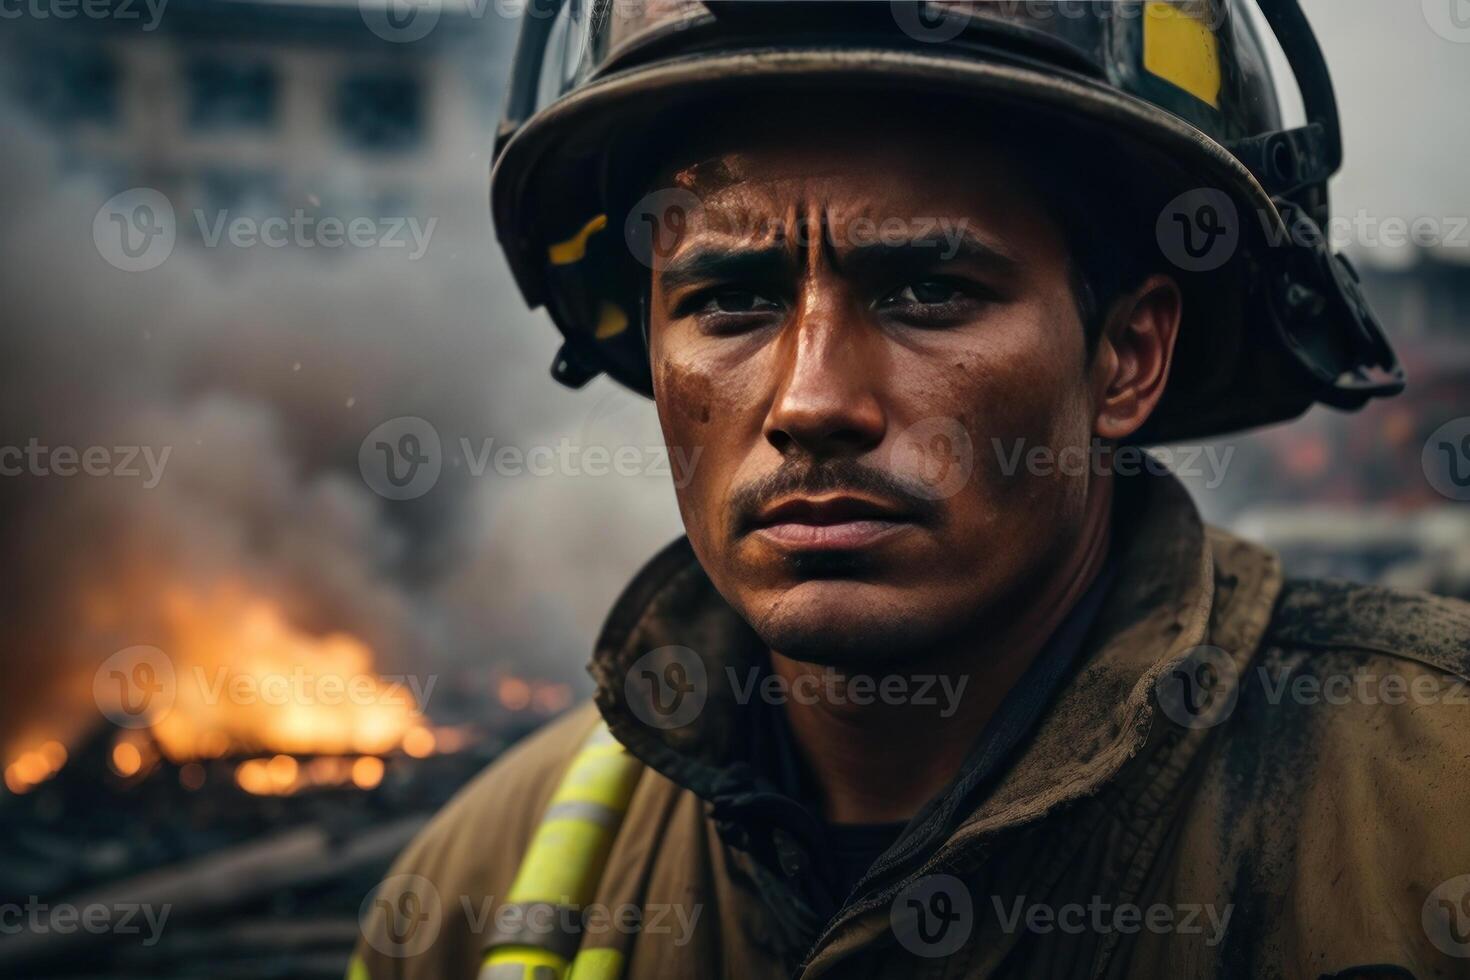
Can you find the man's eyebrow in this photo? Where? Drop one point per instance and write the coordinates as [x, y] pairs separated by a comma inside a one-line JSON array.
[[735, 263]]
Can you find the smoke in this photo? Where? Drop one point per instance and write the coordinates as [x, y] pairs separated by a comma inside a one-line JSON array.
[[250, 378]]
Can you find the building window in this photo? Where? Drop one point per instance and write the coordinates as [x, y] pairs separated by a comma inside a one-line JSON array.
[[225, 95], [78, 85], [381, 113]]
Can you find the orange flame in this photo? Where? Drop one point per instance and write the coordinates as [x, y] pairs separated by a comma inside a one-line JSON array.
[[248, 681]]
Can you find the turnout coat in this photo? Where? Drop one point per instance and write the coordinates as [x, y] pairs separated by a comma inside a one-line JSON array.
[[1240, 776]]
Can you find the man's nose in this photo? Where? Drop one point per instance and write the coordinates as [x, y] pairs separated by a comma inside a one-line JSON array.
[[827, 397]]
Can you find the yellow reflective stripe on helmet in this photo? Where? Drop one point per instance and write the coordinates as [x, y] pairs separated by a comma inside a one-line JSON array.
[[357, 969], [611, 321], [1181, 49], [575, 248], [601, 963], [522, 963]]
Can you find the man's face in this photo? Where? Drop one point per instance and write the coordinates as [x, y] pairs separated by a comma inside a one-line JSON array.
[[862, 337]]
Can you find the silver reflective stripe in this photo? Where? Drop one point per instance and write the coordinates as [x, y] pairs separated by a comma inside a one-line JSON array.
[[517, 971], [603, 816]]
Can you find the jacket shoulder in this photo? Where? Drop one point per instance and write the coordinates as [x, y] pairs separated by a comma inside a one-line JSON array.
[[466, 856], [1335, 789], [1332, 615]]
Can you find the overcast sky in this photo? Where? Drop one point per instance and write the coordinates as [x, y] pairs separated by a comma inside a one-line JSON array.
[[1402, 92]]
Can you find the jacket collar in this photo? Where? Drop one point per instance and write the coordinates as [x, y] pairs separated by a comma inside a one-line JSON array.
[[671, 623]]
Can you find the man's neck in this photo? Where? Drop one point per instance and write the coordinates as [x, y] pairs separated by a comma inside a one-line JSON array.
[[879, 759]]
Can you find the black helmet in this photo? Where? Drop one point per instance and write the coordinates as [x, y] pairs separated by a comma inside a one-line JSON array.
[[1274, 320]]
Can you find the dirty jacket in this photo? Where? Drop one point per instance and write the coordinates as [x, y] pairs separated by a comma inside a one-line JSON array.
[[1240, 776]]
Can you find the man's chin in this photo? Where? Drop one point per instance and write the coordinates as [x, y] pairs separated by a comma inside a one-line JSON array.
[[841, 623]]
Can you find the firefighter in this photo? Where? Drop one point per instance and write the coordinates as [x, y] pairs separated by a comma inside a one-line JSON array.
[[948, 678]]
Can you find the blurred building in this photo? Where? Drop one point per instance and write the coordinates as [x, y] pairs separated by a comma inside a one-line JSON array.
[[263, 108], [1427, 297], [1347, 495]]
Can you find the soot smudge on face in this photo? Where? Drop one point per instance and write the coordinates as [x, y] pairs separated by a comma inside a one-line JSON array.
[[686, 392]]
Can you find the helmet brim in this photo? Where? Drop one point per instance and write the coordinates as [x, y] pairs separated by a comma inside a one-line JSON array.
[[1229, 373]]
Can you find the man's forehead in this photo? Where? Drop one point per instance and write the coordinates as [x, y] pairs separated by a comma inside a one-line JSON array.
[[838, 185], [831, 157]]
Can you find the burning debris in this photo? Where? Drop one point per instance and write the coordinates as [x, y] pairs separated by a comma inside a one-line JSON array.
[[263, 860]]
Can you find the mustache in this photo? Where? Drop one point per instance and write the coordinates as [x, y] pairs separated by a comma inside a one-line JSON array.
[[828, 476]]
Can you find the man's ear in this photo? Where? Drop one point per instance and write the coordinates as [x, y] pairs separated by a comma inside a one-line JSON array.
[[1134, 353]]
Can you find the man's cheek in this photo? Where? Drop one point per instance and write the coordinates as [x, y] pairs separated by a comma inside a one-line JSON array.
[[684, 392]]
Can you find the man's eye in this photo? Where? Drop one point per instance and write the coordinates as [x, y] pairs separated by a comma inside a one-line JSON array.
[[926, 293], [738, 301]]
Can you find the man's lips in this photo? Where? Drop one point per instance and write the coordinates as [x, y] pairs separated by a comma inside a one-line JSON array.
[[828, 523]]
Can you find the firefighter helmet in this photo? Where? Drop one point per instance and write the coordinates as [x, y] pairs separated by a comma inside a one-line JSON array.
[[1274, 318]]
